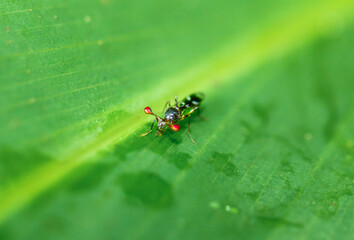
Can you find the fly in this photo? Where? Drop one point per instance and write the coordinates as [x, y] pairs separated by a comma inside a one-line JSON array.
[[176, 113]]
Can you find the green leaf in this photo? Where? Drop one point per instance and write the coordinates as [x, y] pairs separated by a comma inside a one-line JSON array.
[[275, 137]]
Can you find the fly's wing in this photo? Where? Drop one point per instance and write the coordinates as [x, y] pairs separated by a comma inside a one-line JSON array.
[[187, 111]]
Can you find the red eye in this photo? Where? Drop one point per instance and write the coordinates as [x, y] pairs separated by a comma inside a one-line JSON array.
[[175, 127], [147, 110]]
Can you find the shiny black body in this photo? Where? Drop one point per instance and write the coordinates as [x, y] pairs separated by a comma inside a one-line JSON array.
[[172, 114], [191, 101]]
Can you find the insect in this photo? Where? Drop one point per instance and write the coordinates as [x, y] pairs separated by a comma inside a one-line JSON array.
[[176, 113]]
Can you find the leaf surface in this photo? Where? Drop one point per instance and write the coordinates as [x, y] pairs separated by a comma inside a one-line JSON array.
[[275, 138]]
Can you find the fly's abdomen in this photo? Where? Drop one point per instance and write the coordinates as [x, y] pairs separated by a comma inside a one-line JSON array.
[[192, 100]]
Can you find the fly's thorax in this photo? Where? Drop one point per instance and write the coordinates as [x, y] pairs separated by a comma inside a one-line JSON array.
[[172, 114]]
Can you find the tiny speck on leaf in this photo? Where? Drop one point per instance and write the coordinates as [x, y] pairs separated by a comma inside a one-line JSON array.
[[87, 19]]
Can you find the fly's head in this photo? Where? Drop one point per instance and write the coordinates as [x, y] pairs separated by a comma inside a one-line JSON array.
[[160, 126], [163, 123], [171, 116]]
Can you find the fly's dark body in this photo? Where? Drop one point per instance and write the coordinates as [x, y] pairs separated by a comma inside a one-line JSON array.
[[191, 101], [176, 113], [172, 114]]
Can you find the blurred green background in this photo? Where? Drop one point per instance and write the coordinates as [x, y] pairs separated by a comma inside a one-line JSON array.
[[274, 158]]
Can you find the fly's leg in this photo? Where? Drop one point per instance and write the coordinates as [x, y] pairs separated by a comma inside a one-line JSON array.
[[189, 113], [196, 108], [176, 102], [200, 116], [198, 113], [167, 103], [189, 123], [152, 125]]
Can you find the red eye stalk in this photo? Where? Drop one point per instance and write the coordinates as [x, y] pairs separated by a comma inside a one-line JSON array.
[[147, 110], [175, 127]]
